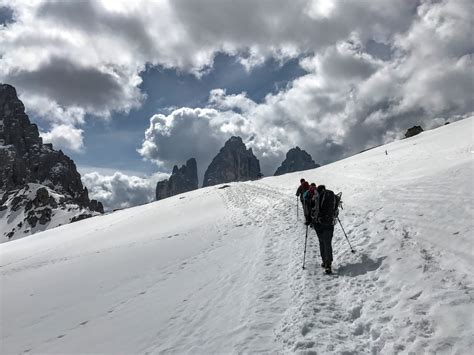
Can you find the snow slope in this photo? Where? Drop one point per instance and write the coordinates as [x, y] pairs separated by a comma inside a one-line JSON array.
[[219, 270]]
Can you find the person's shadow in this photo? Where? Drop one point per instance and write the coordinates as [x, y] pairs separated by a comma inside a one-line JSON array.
[[364, 266]]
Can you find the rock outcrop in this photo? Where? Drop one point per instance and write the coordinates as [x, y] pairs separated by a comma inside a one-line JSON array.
[[296, 160], [24, 160], [413, 131], [234, 162], [181, 180]]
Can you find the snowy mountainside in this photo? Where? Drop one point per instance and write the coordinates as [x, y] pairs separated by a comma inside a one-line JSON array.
[[35, 208], [218, 270]]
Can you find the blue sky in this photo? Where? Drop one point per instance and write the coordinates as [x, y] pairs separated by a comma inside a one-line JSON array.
[[130, 88]]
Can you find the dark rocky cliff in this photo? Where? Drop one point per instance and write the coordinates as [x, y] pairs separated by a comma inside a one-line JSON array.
[[234, 162], [181, 180], [296, 160], [25, 160]]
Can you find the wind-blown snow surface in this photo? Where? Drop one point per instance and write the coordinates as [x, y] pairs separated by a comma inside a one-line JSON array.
[[219, 270]]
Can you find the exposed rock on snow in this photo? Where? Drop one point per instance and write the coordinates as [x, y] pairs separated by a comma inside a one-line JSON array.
[[34, 208], [234, 162], [296, 160], [181, 180], [413, 131], [25, 159]]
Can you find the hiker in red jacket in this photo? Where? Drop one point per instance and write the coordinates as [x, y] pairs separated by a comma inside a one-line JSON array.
[[309, 197]]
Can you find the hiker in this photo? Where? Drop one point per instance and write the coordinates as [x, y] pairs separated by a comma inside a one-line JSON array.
[[308, 202], [301, 189], [323, 220]]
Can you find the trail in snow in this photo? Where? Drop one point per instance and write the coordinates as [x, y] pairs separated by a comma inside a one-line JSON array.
[[219, 270]]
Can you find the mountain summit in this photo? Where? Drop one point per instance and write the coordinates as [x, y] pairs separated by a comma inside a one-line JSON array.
[[296, 160], [234, 162]]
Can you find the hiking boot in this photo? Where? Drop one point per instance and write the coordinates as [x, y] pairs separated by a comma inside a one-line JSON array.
[[328, 270]]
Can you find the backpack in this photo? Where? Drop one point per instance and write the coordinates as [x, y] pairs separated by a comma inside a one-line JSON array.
[[329, 204], [307, 195]]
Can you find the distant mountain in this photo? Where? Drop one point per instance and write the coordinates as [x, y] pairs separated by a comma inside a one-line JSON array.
[[234, 162], [37, 182], [296, 160], [181, 180]]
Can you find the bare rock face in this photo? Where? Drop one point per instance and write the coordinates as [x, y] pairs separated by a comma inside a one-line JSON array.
[[296, 160], [413, 131], [181, 180], [34, 208], [24, 159], [96, 206], [234, 162]]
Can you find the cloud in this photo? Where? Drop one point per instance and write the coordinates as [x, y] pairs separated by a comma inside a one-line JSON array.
[[87, 56], [96, 91], [184, 133], [120, 190], [351, 99], [65, 137]]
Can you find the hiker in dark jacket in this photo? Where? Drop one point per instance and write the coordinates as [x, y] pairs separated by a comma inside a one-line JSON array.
[[300, 190], [324, 227]]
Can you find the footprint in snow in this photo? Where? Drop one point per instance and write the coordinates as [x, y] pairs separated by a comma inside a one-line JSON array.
[[306, 328], [416, 295]]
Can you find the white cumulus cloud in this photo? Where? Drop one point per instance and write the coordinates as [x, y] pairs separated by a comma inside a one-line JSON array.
[[64, 137], [121, 190]]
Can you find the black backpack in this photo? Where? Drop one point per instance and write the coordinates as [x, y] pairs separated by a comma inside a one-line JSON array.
[[329, 204]]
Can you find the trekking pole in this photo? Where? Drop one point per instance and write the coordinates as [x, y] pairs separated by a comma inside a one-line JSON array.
[[305, 241], [297, 209], [352, 250]]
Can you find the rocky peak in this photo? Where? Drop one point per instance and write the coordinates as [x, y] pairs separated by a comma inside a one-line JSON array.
[[296, 160], [24, 159], [181, 180], [234, 162]]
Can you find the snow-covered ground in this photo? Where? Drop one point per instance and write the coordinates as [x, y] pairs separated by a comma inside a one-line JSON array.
[[219, 270]]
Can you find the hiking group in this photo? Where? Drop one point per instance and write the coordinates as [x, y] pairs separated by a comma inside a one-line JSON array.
[[320, 207]]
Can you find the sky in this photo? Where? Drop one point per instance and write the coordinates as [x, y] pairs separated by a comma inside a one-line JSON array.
[[129, 89]]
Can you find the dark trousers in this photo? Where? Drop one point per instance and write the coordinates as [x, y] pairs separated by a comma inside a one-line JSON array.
[[325, 234], [307, 206]]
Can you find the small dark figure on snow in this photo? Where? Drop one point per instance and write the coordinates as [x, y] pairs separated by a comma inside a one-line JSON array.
[[324, 214]]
